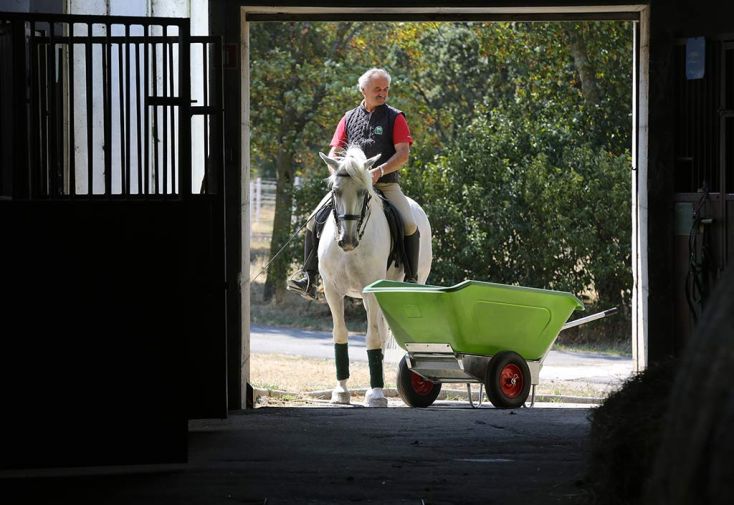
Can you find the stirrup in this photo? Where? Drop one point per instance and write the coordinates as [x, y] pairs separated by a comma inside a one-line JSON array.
[[305, 286]]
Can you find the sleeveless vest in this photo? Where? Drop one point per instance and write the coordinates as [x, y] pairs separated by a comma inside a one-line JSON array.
[[373, 133]]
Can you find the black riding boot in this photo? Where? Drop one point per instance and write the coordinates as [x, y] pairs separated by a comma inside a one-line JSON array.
[[412, 249], [306, 284]]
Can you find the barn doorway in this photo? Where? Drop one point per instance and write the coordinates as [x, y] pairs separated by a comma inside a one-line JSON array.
[[637, 14]]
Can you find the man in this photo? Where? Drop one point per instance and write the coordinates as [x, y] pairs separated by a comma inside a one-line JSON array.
[[378, 129]]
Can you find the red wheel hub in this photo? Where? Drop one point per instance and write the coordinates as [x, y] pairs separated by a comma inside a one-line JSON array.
[[511, 380], [420, 385]]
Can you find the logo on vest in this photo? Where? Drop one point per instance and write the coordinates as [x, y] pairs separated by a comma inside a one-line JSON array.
[[378, 130]]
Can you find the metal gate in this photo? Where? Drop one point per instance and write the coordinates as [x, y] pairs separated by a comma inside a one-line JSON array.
[[112, 222]]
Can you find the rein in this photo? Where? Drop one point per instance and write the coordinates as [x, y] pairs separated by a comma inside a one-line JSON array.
[[360, 218]]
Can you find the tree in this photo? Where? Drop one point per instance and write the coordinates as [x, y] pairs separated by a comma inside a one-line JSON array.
[[294, 74]]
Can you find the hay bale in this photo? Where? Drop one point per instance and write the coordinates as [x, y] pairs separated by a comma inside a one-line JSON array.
[[693, 464], [625, 432]]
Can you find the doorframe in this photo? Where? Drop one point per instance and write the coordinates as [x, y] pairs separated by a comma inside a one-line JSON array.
[[638, 13]]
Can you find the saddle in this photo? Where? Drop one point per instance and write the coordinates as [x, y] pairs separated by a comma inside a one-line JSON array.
[[397, 254]]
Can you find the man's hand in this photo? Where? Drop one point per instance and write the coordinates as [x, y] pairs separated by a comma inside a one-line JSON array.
[[376, 173]]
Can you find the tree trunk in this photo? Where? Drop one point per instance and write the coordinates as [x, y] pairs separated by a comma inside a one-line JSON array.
[[577, 45], [278, 270]]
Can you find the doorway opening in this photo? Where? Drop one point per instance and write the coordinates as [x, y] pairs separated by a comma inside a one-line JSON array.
[[635, 15]]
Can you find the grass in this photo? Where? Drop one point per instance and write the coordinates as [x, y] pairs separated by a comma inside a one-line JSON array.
[[613, 348], [294, 377]]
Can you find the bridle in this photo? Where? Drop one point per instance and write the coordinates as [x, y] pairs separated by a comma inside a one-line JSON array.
[[360, 218]]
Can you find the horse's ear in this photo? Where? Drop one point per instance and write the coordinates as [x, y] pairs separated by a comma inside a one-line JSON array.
[[330, 161], [368, 164]]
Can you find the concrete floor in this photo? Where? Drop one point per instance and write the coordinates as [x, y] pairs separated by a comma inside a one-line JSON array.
[[446, 454]]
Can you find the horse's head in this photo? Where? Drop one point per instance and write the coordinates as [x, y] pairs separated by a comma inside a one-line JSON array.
[[351, 189]]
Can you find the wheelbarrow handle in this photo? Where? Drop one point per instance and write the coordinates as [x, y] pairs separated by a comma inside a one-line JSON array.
[[592, 317]]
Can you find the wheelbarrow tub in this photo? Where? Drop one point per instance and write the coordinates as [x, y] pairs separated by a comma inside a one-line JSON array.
[[474, 317]]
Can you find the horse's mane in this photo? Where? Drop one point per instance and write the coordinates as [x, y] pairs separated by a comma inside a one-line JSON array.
[[351, 163]]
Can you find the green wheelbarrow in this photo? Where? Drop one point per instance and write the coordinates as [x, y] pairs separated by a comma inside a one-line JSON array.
[[474, 332]]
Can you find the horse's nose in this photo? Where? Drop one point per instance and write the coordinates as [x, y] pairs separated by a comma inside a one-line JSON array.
[[347, 244]]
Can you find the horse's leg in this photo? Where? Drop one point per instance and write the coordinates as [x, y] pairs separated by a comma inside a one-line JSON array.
[[374, 397], [340, 394]]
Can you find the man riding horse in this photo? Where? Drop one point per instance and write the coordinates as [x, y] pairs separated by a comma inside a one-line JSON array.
[[379, 130]]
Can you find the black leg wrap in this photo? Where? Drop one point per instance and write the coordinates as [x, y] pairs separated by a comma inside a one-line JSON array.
[[374, 357], [341, 352]]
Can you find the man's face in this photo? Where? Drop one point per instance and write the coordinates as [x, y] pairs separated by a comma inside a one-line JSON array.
[[376, 91]]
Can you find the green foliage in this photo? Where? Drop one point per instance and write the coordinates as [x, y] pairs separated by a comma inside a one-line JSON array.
[[512, 209]]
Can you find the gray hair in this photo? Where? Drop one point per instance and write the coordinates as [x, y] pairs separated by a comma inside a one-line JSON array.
[[365, 78]]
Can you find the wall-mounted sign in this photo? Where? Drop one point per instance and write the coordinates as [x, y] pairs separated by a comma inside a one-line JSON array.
[[695, 57]]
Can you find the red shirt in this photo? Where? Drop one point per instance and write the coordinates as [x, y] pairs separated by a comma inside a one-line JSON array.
[[400, 132]]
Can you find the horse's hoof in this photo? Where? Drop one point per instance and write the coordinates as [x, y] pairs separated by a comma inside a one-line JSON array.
[[340, 397], [375, 398]]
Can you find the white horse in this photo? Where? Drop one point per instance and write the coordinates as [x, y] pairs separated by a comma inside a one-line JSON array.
[[353, 251]]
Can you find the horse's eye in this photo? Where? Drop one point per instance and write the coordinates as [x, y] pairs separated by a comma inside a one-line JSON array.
[[361, 192], [337, 192]]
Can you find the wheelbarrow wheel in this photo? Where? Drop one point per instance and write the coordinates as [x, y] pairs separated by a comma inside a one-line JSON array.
[[507, 380], [414, 390]]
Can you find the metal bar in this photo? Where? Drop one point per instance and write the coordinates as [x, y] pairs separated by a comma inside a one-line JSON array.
[[154, 81], [592, 317], [114, 39], [107, 69], [204, 111], [58, 126], [72, 150], [165, 91], [43, 144], [146, 116], [121, 113], [139, 139], [35, 126], [88, 69], [210, 110], [51, 167], [165, 101], [217, 126], [127, 112], [184, 111], [172, 111]]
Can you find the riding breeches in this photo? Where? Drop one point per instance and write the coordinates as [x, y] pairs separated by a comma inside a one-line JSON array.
[[395, 196]]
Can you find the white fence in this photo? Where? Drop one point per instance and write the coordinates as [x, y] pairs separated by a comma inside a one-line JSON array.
[[262, 206]]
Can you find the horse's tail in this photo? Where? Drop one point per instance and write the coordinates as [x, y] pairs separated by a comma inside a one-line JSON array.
[[391, 350]]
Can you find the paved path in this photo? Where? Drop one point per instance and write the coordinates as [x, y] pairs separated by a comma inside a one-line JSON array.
[[593, 368]]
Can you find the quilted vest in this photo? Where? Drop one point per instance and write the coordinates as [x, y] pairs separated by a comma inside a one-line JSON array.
[[373, 133]]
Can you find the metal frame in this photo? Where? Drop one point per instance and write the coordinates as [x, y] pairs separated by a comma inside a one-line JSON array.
[[141, 67], [441, 363]]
